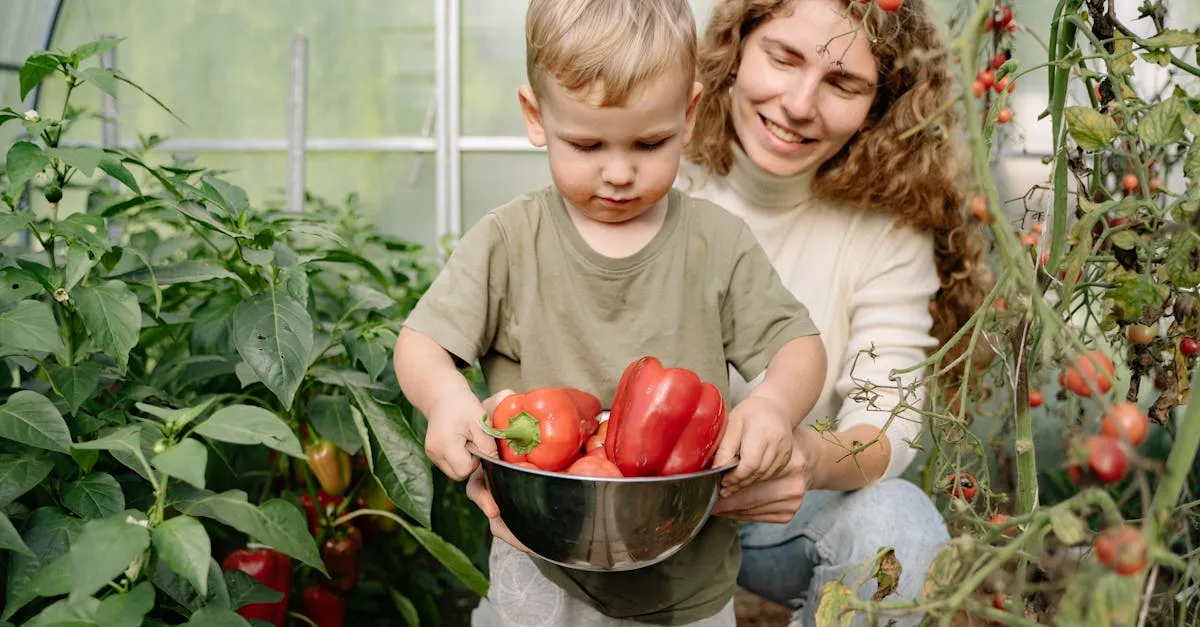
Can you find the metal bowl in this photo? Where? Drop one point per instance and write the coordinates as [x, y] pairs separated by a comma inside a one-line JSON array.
[[601, 523]]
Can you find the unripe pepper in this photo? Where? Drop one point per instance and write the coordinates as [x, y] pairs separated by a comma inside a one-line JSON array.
[[663, 421], [342, 554], [372, 496], [540, 426], [323, 607], [328, 505], [330, 465], [271, 568]]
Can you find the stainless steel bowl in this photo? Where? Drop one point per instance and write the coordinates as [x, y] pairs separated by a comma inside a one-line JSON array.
[[600, 523]]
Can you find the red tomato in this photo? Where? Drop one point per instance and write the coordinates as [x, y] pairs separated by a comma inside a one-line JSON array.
[[1006, 17], [1126, 421], [1082, 376], [889, 5], [1002, 84], [1129, 182], [1140, 334], [999, 59], [979, 88], [987, 77], [1189, 346], [1005, 116], [1028, 240], [1036, 397], [1106, 459], [963, 485], [1122, 549], [594, 466], [1037, 228], [979, 209]]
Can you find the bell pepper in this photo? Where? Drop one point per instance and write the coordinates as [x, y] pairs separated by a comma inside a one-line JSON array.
[[323, 607], [271, 568], [329, 505], [589, 409], [330, 465], [595, 444], [594, 466], [342, 554], [540, 426], [372, 496], [663, 421]]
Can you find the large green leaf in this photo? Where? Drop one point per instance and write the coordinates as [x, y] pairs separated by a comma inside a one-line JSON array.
[[104, 549], [450, 557], [369, 352], [1091, 129], [275, 337], [191, 271], [276, 523], [20, 472], [117, 170], [245, 590], [48, 534], [35, 69], [333, 418], [30, 418], [68, 613], [400, 462], [213, 616], [226, 194], [10, 539], [202, 215], [80, 261], [1163, 123], [177, 417], [18, 284], [184, 593], [186, 460], [76, 383], [112, 316], [87, 229], [183, 543], [93, 48], [24, 161], [247, 424], [370, 298], [104, 80], [83, 158], [212, 324], [132, 445], [11, 223], [127, 609], [30, 326], [97, 495]]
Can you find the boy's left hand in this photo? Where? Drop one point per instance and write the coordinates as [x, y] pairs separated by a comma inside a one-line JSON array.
[[759, 432]]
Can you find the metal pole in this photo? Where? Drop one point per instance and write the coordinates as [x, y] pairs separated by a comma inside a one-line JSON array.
[[110, 127], [297, 122], [443, 139], [454, 116]]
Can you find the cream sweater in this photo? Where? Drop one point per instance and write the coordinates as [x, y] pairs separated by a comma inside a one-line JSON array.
[[866, 282]]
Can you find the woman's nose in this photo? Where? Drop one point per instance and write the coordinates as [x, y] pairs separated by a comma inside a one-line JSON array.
[[799, 100]]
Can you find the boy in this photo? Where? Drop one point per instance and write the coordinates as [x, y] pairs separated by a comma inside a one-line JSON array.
[[567, 285]]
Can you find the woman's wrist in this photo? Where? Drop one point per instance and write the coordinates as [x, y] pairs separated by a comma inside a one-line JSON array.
[[838, 461]]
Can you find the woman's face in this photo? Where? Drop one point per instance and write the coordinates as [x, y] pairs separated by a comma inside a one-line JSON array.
[[804, 87]]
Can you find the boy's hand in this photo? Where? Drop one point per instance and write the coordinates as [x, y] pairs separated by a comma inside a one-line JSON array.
[[759, 432], [452, 423]]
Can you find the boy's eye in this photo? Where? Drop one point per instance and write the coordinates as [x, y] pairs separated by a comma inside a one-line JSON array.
[[584, 147], [651, 145]]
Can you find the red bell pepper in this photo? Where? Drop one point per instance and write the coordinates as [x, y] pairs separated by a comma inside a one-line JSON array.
[[316, 518], [342, 554], [663, 421], [271, 568], [540, 426], [323, 607], [589, 409], [330, 465]]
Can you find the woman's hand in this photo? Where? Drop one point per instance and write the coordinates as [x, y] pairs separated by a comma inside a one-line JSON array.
[[774, 500], [479, 494]]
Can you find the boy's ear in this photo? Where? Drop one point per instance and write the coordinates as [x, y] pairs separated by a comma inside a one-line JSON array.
[[530, 110], [693, 101]]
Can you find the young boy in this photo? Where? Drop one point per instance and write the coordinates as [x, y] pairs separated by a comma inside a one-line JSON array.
[[566, 285]]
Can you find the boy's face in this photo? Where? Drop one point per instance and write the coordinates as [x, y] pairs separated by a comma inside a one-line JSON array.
[[612, 164]]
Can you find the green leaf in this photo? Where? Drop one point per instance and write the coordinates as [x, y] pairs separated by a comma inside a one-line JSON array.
[[68, 613], [80, 261], [1122, 58], [1091, 129], [1172, 38], [20, 472], [198, 213], [191, 271], [24, 160], [104, 80], [1162, 125], [18, 285], [132, 445], [118, 171], [184, 593], [105, 548], [1126, 240], [212, 324], [211, 616], [1069, 529], [373, 356], [276, 523], [36, 68], [294, 280], [274, 336], [400, 462], [113, 317], [30, 326], [10, 540], [1131, 295], [125, 79], [11, 223], [370, 298], [75, 384], [48, 534], [30, 418], [1177, 264], [407, 610], [93, 48], [88, 229], [183, 543], [1191, 165], [177, 417], [834, 609], [1158, 57], [186, 460], [82, 158], [97, 495], [127, 609], [226, 194], [450, 557], [245, 590], [247, 424], [331, 417]]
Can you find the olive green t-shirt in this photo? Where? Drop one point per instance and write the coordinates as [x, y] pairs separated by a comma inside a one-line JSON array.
[[526, 295]]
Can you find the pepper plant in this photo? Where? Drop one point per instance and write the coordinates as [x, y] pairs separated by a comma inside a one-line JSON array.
[[186, 372]]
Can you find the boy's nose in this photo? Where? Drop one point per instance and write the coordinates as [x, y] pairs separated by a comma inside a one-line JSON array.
[[618, 172]]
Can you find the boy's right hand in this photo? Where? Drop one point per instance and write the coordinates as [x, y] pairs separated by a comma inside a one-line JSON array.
[[452, 423]]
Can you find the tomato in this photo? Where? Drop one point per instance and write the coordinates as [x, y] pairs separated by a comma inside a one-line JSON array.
[[1129, 182], [1002, 84], [1028, 240], [594, 466], [1106, 459], [1006, 17], [1082, 376], [1126, 421], [1140, 334], [1115, 221], [1036, 397], [1005, 116], [987, 77], [1122, 549], [1000, 305], [979, 209], [999, 59], [889, 5], [1189, 346], [979, 88], [1001, 520], [987, 25], [1000, 601], [963, 485], [1037, 228], [1155, 183]]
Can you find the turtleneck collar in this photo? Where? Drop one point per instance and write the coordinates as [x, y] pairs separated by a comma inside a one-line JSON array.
[[765, 190]]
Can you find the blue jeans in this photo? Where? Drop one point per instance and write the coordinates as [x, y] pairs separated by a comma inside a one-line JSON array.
[[833, 533]]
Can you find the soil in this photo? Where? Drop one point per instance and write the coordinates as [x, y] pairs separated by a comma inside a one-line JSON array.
[[755, 611]]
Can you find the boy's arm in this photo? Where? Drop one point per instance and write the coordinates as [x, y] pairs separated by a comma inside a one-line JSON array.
[[794, 377], [430, 379]]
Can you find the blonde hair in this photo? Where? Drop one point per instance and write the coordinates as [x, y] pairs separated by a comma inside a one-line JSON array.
[[613, 44], [915, 179]]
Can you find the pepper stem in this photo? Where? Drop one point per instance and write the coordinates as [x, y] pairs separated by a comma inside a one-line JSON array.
[[523, 433]]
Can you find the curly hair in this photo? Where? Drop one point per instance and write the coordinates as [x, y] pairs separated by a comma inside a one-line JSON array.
[[921, 186]]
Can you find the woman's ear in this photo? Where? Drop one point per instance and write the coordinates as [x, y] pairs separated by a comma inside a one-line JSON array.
[[693, 101], [532, 113]]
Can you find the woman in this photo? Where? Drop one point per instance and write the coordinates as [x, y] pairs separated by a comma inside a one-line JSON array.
[[799, 131]]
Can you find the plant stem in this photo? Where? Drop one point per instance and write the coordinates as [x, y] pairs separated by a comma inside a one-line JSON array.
[[1065, 40], [1179, 463]]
